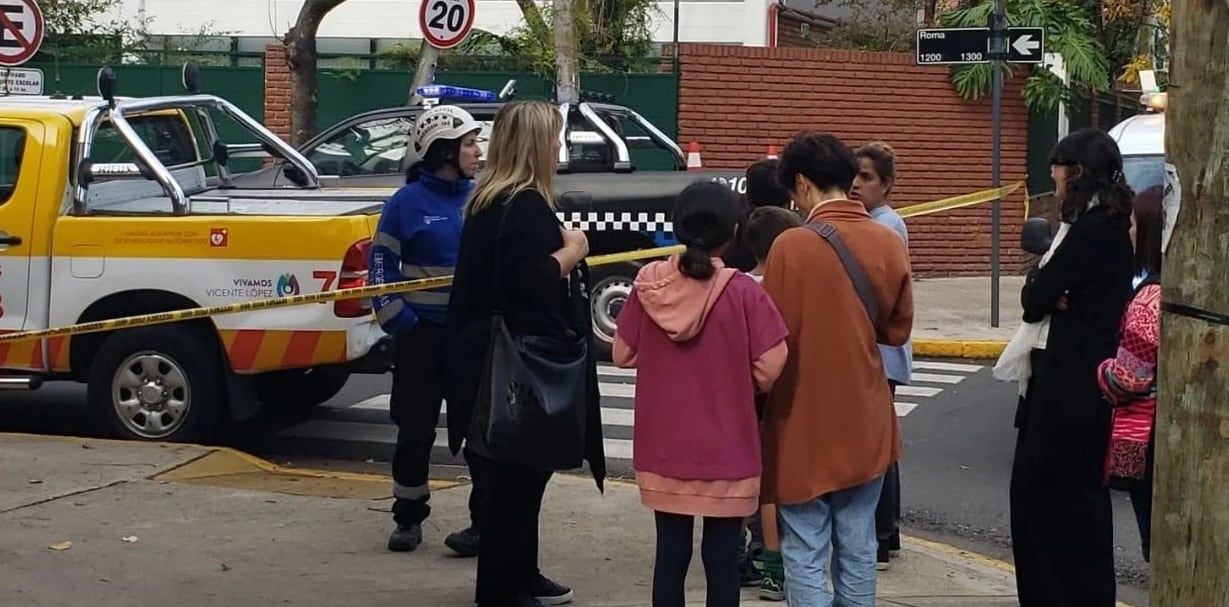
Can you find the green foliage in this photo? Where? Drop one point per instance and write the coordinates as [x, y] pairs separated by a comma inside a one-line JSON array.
[[93, 31], [613, 36], [1070, 32], [872, 25]]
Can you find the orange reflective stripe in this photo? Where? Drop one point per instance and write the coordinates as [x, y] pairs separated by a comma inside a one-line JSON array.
[[301, 351], [258, 350], [57, 353]]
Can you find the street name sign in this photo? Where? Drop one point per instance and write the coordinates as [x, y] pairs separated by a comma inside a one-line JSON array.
[[21, 31], [445, 23], [969, 45], [1025, 44]]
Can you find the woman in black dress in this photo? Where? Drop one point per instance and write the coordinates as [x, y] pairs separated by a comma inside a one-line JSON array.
[[517, 258], [1061, 517]]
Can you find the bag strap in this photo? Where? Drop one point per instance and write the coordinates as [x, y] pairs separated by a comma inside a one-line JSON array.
[[861, 283]]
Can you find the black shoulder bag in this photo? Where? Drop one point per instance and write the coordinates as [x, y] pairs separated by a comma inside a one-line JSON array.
[[530, 406], [857, 276]]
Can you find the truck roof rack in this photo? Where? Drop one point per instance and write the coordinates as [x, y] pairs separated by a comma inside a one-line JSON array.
[[147, 164]]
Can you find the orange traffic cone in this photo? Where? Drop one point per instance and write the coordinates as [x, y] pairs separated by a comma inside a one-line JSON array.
[[693, 157], [772, 152]]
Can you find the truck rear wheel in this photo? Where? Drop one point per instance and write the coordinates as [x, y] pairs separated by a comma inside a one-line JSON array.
[[162, 383], [607, 298], [300, 388]]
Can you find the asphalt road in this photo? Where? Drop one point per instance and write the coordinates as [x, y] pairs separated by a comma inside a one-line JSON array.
[[956, 422]]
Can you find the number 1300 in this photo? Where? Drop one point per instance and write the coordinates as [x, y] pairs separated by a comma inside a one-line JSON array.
[[447, 16]]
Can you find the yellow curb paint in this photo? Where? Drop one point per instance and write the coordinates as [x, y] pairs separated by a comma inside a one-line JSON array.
[[953, 348], [227, 467], [968, 555], [238, 470]]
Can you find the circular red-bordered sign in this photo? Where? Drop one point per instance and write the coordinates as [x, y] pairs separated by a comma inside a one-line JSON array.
[[21, 32], [445, 23]]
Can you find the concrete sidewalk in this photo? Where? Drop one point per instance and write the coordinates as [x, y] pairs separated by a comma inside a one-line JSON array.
[[101, 523], [952, 316]]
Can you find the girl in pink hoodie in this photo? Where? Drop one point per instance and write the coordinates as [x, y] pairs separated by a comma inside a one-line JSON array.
[[705, 339]]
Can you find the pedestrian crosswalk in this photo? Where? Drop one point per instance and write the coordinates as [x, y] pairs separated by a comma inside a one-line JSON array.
[[367, 422]]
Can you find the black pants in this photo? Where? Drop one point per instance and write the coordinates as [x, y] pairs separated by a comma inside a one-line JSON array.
[[418, 393], [1062, 537], [508, 554], [887, 512], [718, 549]]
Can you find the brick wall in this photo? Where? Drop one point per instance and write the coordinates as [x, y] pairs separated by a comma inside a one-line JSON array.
[[942, 143], [277, 91]]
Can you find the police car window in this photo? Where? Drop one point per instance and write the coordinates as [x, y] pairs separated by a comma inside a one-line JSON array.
[[645, 151], [166, 135], [1143, 172], [368, 148], [12, 149]]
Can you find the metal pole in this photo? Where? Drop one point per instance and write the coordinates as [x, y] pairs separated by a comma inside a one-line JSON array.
[[428, 58], [997, 52]]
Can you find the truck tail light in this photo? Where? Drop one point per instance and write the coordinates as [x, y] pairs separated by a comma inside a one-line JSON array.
[[354, 274]]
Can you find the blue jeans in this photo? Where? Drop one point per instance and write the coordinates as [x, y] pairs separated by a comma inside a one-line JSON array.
[[841, 524]]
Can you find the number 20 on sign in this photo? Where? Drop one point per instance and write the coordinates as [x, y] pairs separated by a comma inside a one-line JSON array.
[[445, 23]]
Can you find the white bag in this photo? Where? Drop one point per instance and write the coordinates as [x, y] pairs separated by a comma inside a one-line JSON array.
[[1013, 364]]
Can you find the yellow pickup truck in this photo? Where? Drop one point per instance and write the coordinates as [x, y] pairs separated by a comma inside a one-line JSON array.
[[112, 207]]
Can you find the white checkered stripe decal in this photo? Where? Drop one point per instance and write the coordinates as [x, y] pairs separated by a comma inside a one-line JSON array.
[[639, 222]]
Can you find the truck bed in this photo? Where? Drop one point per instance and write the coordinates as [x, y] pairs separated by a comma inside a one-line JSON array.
[[142, 197]]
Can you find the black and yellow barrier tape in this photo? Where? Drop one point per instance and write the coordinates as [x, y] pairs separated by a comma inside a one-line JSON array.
[[157, 318]]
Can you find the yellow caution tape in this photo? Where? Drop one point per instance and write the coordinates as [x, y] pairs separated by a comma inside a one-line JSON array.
[[956, 202], [156, 318]]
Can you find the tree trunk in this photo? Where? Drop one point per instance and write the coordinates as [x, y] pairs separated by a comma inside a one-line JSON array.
[[567, 86], [1190, 548], [533, 19], [300, 44]]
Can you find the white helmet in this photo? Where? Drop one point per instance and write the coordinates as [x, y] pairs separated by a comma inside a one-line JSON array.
[[444, 122]]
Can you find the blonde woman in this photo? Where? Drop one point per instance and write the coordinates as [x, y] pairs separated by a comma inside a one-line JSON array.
[[516, 257]]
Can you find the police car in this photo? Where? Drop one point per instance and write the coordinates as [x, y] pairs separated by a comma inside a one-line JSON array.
[[602, 186]]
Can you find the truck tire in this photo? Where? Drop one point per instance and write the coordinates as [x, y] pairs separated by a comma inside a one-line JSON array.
[[606, 298], [162, 383], [300, 388]]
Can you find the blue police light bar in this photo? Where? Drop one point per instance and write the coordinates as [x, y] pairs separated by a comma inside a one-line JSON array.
[[440, 91]]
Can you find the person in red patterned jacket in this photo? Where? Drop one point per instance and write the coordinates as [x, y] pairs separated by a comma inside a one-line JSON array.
[[1128, 380]]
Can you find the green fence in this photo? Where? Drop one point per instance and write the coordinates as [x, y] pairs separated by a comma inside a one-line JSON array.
[[345, 92]]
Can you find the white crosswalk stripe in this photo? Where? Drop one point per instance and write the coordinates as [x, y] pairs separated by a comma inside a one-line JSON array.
[[367, 420]]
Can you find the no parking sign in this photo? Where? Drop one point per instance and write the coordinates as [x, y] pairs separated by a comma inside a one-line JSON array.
[[21, 31]]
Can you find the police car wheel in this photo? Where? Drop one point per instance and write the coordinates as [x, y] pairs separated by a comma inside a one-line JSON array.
[[158, 383], [300, 388], [607, 298]]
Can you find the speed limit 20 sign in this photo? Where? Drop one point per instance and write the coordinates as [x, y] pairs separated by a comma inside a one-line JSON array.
[[445, 23]]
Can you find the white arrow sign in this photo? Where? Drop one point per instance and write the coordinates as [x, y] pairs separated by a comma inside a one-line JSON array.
[[1025, 45]]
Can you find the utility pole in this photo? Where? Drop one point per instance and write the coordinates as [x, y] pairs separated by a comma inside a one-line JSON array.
[[428, 59], [567, 82], [1190, 530], [998, 53]]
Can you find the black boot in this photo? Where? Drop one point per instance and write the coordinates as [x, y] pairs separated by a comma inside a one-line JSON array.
[[405, 538], [464, 542]]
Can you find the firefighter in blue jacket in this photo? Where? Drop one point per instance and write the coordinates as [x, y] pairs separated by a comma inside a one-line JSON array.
[[418, 236]]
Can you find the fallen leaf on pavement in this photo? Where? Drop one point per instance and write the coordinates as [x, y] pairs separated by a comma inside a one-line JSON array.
[[64, 545]]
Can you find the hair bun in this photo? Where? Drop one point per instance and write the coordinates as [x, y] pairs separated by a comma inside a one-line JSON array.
[[879, 145]]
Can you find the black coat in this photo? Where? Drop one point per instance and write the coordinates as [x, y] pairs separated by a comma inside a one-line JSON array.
[[1065, 418], [528, 290]]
